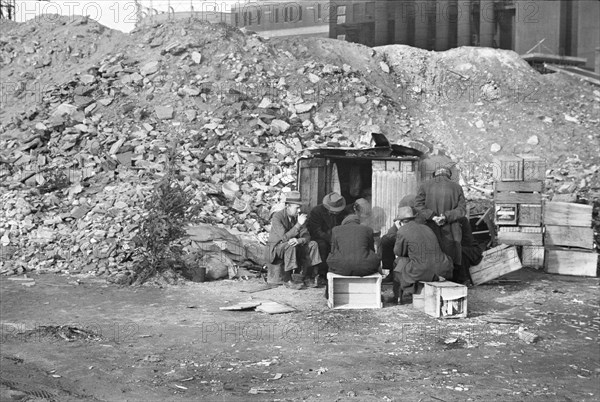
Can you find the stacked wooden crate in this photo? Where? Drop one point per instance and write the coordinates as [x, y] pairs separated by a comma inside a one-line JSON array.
[[569, 239], [518, 204]]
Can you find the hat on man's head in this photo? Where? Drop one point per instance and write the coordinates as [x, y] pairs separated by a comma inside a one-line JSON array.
[[293, 197], [405, 213], [442, 171], [334, 202]]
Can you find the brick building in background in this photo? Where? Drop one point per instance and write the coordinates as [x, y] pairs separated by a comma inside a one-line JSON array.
[[564, 27]]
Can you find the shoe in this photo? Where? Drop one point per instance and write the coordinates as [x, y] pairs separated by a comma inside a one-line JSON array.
[[320, 282], [293, 285], [311, 282], [388, 279]]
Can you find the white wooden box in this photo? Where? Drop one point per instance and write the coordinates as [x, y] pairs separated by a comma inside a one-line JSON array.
[[445, 299], [354, 292], [496, 262]]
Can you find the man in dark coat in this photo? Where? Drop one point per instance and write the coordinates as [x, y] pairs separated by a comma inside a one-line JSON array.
[[388, 241], [442, 203], [290, 241], [420, 257], [353, 249], [321, 221]]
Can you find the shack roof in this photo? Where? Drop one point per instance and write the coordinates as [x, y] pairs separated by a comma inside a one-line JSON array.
[[383, 150]]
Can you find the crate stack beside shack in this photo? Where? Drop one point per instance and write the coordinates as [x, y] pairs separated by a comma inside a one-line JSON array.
[[557, 236]]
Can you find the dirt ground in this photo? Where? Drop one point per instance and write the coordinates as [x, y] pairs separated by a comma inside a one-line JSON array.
[[174, 343]]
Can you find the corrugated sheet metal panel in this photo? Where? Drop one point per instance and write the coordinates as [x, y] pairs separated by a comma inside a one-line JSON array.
[[392, 180]]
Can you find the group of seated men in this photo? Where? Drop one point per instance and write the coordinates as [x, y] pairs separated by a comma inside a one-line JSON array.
[[430, 240]]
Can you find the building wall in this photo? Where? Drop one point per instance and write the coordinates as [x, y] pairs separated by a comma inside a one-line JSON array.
[[588, 31], [263, 16]]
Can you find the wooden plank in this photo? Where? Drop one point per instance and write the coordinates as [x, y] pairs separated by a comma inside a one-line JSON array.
[[530, 215], [525, 186], [521, 238], [509, 197], [534, 167], [354, 285], [571, 262], [508, 168], [496, 262], [354, 301], [533, 256], [571, 236], [567, 214]]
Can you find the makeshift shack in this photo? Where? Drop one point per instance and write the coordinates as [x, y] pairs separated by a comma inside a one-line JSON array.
[[383, 175]]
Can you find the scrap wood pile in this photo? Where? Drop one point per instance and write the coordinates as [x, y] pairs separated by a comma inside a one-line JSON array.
[[89, 115]]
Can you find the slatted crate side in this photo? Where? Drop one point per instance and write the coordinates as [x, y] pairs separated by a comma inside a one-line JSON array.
[[532, 256], [534, 167], [496, 262], [565, 261], [567, 214], [508, 168], [354, 292], [530, 215], [445, 299], [570, 236]]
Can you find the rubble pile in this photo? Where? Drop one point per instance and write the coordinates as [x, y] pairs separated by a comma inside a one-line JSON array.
[[89, 115]]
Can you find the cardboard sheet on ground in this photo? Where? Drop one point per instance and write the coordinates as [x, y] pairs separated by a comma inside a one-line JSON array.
[[241, 306], [268, 306]]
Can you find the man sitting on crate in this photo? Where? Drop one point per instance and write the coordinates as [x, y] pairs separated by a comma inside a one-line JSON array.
[[420, 257], [353, 249], [289, 241], [388, 241]]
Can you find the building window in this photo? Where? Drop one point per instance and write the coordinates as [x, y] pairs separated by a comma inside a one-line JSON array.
[[319, 11], [258, 17], [355, 10], [245, 18], [285, 14], [341, 19], [237, 19], [276, 15], [370, 9], [341, 10], [299, 13]]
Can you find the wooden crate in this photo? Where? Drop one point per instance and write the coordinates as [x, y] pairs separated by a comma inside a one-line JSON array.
[[530, 215], [567, 214], [496, 262], [532, 256], [570, 236], [417, 298], [524, 192], [565, 261], [506, 214], [520, 236], [354, 292], [534, 167], [508, 168], [445, 299]]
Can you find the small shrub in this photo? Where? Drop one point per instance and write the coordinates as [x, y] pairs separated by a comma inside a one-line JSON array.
[[158, 242]]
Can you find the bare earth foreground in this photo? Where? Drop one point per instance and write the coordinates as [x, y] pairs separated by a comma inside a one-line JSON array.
[[67, 339]]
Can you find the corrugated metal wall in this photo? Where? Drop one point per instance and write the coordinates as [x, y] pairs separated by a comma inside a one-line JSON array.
[[392, 180]]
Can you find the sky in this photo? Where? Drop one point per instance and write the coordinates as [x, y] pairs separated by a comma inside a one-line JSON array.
[[115, 14]]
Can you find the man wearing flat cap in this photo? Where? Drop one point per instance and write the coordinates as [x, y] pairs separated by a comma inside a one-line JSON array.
[[420, 257], [321, 221], [290, 241], [441, 202]]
